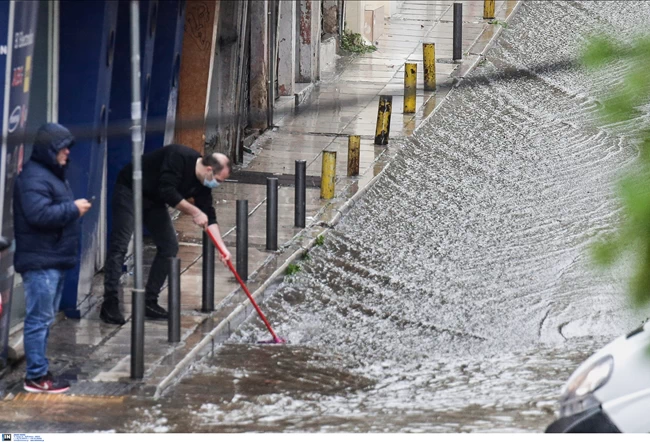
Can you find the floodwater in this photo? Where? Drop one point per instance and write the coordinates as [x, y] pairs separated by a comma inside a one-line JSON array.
[[459, 294]]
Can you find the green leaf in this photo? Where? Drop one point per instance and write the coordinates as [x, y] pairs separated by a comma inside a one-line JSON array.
[[599, 50], [605, 252]]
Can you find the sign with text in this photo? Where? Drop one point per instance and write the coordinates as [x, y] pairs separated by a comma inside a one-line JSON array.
[[18, 54]]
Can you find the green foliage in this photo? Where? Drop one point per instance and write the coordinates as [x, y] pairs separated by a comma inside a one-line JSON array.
[[353, 42], [320, 240], [622, 104], [306, 256], [501, 23], [292, 269], [599, 50]]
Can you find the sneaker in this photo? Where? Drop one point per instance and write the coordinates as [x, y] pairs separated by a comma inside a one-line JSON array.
[[153, 311], [110, 313], [46, 384]]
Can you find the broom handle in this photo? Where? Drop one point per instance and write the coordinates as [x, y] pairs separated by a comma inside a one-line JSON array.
[[243, 286]]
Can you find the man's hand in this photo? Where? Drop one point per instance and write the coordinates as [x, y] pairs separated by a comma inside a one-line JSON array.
[[221, 246], [225, 258], [83, 206], [201, 220]]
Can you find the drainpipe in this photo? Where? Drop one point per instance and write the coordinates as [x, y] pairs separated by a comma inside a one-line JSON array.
[[239, 94], [271, 26]]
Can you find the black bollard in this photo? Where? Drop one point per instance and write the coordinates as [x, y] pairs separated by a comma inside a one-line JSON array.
[[207, 302], [174, 301], [271, 214], [458, 31], [137, 334], [301, 191], [242, 239]]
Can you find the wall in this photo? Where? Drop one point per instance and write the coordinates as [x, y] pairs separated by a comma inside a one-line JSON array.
[[354, 15], [86, 64], [196, 59], [16, 69], [163, 98]]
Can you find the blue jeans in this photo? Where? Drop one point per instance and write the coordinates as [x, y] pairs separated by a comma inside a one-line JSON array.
[[43, 290]]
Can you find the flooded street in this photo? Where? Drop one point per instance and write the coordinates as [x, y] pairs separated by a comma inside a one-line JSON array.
[[459, 294]]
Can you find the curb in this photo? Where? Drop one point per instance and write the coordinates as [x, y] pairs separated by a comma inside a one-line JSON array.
[[488, 46]]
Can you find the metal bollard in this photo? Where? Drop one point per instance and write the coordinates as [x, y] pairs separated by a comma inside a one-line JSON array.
[[410, 87], [328, 175], [382, 131], [488, 9], [429, 52], [174, 301], [354, 151], [458, 31], [207, 298], [271, 214], [242, 239], [137, 334], [301, 193]]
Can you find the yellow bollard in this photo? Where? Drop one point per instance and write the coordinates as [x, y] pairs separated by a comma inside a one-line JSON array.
[[429, 52], [328, 175], [383, 119], [410, 87], [354, 150], [488, 9]]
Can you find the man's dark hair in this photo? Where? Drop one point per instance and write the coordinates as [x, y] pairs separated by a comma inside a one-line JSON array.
[[211, 160]]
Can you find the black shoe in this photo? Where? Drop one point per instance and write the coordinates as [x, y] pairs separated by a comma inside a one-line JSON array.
[[110, 313], [46, 384], [153, 311]]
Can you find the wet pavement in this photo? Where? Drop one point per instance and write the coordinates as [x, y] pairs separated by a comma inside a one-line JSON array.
[[457, 295]]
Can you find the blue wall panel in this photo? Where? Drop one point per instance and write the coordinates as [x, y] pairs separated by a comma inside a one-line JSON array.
[[86, 63], [166, 68], [14, 119]]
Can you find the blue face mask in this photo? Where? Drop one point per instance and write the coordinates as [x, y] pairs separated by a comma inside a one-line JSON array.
[[212, 184]]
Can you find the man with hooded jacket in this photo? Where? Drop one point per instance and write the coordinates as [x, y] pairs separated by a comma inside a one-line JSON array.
[[46, 219]]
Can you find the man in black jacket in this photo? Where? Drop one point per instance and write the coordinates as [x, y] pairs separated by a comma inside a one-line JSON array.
[[170, 176], [46, 219]]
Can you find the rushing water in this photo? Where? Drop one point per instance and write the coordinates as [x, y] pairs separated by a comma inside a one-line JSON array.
[[458, 295]]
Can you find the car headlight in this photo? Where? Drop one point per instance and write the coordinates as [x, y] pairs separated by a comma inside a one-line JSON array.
[[577, 394]]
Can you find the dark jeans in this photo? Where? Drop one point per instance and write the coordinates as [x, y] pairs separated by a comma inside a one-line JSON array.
[[157, 220]]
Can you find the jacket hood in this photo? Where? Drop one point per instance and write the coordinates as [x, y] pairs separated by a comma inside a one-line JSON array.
[[50, 139]]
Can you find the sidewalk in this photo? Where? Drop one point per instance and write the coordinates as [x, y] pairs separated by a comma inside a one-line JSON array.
[[96, 356]]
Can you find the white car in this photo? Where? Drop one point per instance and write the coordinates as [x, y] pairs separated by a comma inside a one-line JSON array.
[[610, 391]]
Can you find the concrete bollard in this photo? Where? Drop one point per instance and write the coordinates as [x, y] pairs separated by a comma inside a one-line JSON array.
[[174, 301], [328, 175], [242, 239], [207, 297], [354, 151], [458, 31], [301, 193], [410, 87], [271, 214], [382, 132], [429, 52], [488, 9]]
